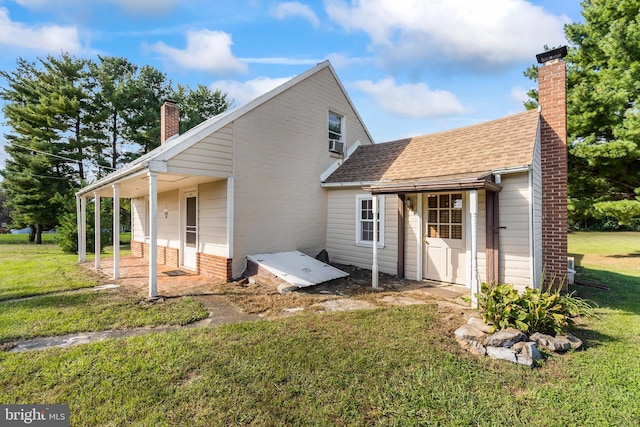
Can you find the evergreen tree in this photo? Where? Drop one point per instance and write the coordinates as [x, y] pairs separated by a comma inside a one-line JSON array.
[[198, 105]]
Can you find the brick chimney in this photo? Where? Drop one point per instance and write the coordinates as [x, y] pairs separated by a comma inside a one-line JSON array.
[[169, 120], [552, 98]]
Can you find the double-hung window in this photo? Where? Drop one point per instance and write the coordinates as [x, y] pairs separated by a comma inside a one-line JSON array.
[[336, 142], [365, 220]]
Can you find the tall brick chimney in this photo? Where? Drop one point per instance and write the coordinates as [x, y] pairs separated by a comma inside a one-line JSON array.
[[169, 120], [552, 97]]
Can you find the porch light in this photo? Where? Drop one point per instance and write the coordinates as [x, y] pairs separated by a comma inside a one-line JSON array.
[[408, 204], [166, 213]]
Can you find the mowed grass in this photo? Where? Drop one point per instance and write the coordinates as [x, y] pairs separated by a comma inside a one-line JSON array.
[[388, 366], [46, 272]]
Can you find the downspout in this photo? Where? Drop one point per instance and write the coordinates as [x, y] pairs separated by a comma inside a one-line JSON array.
[[532, 263], [374, 267]]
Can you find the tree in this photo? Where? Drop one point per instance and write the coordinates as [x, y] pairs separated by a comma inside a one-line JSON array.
[[198, 105], [602, 108]]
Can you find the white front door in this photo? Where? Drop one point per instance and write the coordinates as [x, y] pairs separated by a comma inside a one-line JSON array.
[[190, 230], [444, 245]]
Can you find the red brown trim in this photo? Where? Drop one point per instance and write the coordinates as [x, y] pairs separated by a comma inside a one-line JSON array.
[[493, 236]]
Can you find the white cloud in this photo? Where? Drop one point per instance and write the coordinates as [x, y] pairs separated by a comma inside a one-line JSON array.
[[414, 100], [485, 32], [281, 61], [243, 92], [207, 51], [44, 38], [295, 9]]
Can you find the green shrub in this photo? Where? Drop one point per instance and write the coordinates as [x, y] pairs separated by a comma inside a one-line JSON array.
[[530, 311]]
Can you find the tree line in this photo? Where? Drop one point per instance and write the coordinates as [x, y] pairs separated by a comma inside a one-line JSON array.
[[75, 120], [603, 115]]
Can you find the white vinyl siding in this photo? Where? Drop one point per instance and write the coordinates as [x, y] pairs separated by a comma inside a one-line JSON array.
[[138, 219], [412, 239], [212, 156], [280, 151], [340, 233], [168, 227], [212, 221], [537, 215], [515, 267]]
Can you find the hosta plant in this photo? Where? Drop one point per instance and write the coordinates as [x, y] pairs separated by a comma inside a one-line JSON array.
[[532, 310]]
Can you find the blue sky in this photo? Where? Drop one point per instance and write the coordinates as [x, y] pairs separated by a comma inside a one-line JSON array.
[[411, 67]]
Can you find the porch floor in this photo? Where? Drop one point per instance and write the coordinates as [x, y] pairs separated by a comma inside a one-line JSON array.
[[172, 282]]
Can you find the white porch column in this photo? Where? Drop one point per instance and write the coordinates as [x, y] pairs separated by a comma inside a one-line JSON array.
[[153, 234], [230, 207], [116, 231], [374, 267], [420, 242], [78, 225], [82, 230], [473, 210], [96, 230]]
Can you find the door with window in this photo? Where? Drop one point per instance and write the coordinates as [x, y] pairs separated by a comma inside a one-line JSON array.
[[444, 245], [190, 230]]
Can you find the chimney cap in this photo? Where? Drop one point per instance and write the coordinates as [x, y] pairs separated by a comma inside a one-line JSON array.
[[170, 101], [559, 52]]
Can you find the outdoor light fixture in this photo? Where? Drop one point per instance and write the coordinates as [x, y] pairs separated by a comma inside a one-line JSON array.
[[408, 204], [166, 212]]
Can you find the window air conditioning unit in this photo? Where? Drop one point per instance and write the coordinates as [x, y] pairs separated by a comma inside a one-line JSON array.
[[336, 146]]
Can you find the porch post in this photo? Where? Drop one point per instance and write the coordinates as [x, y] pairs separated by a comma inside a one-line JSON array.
[[82, 230], [473, 210], [96, 230], [153, 234], [78, 225], [116, 231], [374, 267], [420, 240]]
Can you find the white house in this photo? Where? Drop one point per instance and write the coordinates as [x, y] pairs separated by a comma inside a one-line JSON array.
[[296, 169]]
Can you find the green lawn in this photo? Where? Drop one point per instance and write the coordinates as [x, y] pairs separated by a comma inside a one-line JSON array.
[[389, 366]]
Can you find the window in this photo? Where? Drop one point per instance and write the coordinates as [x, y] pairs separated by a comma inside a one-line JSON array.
[[444, 216], [365, 221], [336, 144]]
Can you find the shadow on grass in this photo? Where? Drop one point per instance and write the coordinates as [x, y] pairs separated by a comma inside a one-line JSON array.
[[624, 293]]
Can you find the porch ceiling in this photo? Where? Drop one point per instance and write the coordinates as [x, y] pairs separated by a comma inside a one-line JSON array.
[[138, 185]]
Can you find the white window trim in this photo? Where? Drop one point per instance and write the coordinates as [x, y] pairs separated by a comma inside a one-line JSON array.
[[381, 212]]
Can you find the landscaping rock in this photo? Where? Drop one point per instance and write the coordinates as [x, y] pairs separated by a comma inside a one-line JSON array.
[[477, 323], [547, 342], [502, 353], [576, 343], [527, 353], [468, 332], [285, 288], [505, 338], [473, 347]]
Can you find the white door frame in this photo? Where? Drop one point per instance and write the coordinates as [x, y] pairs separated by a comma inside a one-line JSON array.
[[188, 254]]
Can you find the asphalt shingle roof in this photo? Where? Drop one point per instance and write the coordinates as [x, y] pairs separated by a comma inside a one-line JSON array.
[[464, 152]]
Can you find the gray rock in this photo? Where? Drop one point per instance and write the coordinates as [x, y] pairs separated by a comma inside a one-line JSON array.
[[576, 343], [502, 353], [547, 342], [468, 332], [477, 323], [527, 353], [473, 347], [505, 338], [285, 288]]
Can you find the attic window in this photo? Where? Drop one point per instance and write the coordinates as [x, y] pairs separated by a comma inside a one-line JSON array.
[[336, 144]]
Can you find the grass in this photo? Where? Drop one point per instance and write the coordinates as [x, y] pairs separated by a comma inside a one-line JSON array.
[[389, 366]]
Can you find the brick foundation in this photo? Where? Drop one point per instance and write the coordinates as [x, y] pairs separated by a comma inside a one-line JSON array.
[[553, 139], [213, 266]]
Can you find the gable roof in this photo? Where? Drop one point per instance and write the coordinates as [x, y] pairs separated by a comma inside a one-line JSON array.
[[177, 144], [469, 152]]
